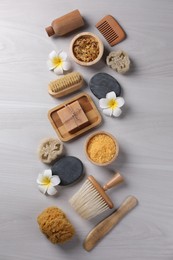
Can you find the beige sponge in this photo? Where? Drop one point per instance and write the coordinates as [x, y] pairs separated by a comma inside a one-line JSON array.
[[50, 149], [118, 61], [55, 225]]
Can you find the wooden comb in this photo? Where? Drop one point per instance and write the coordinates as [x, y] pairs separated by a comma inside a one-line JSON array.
[[111, 30]]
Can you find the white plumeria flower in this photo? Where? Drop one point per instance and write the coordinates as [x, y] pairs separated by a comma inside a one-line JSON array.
[[47, 182], [58, 62], [111, 104]]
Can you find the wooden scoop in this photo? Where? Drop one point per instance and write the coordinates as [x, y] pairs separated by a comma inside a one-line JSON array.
[[101, 229]]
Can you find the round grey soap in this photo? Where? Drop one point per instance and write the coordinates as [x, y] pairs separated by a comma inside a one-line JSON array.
[[102, 83], [69, 169]]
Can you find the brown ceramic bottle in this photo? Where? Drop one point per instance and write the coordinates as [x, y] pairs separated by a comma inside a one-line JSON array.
[[65, 24]]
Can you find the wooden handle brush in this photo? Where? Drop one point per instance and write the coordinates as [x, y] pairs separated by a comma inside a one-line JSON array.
[[100, 230], [66, 85], [91, 199]]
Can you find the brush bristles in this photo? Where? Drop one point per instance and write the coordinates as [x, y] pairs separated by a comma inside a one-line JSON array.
[[65, 82], [88, 202]]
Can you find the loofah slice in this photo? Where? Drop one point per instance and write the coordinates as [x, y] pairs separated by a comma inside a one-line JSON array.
[[118, 61], [50, 149], [55, 225]]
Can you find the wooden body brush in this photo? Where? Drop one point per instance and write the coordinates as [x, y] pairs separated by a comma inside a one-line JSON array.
[[65, 85], [101, 229], [91, 199]]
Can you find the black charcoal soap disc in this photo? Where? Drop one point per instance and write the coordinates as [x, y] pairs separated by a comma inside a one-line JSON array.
[[69, 169], [102, 83]]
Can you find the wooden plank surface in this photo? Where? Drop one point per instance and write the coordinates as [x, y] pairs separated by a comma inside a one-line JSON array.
[[144, 132]]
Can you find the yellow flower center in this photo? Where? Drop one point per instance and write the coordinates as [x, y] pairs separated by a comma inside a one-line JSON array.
[[46, 181], [112, 103], [57, 61]]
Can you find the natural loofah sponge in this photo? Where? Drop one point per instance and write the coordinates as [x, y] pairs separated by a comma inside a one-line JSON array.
[[118, 61], [50, 149], [55, 225]]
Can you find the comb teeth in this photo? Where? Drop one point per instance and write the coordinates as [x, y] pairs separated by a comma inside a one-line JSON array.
[[111, 30], [107, 31], [88, 202], [65, 85]]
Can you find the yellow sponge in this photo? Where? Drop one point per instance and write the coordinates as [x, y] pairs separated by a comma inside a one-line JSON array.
[[55, 225]]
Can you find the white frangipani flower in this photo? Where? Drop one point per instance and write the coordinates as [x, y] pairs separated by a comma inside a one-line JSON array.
[[58, 62], [111, 104], [47, 182]]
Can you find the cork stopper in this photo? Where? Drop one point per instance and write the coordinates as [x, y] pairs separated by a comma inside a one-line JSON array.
[[50, 31]]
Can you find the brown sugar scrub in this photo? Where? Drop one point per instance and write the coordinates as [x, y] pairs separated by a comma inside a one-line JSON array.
[[102, 148], [86, 49], [55, 225]]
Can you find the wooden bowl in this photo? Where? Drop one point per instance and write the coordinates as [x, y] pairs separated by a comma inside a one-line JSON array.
[[110, 158], [89, 55]]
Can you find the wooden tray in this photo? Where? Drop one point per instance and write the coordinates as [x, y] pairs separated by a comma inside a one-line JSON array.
[[88, 107]]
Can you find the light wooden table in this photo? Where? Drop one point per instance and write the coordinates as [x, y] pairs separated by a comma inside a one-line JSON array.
[[144, 132]]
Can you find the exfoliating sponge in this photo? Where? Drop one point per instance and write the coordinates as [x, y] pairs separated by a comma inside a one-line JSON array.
[[50, 149], [55, 225]]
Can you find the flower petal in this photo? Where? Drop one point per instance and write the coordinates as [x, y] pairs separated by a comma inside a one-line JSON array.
[[51, 190], [52, 55], [42, 188], [111, 95], [103, 103], [117, 112], [107, 111], [58, 70], [120, 101], [40, 178], [62, 55], [55, 180], [50, 65], [47, 173], [66, 65]]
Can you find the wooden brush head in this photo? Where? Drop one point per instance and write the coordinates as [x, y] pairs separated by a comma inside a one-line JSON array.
[[115, 180], [101, 191], [111, 30], [91, 199], [66, 85]]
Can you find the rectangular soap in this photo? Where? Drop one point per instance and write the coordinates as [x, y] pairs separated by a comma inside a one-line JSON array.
[[73, 117]]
